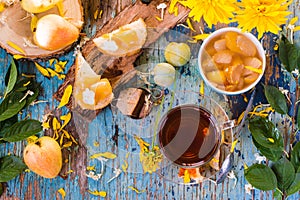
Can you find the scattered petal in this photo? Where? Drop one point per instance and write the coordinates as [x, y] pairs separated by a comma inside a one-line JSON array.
[[15, 46], [186, 176], [66, 118], [107, 155], [67, 144], [55, 124], [62, 192], [66, 96], [201, 36], [42, 70], [91, 168], [136, 190], [17, 56], [98, 193], [189, 23], [158, 18]]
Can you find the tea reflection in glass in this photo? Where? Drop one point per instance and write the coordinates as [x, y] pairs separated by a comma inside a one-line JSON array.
[[189, 135]]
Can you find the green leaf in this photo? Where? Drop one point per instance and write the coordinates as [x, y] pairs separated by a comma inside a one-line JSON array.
[[5, 126], [10, 167], [276, 99], [295, 186], [263, 131], [285, 173], [261, 177], [11, 110], [12, 78], [271, 154], [295, 156], [22, 130], [288, 54]]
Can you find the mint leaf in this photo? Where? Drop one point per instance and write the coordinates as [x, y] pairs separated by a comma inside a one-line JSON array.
[[273, 154], [11, 110], [295, 156], [22, 130], [12, 78], [10, 167], [261, 177], [288, 54], [276, 99], [265, 133], [285, 173], [295, 186]]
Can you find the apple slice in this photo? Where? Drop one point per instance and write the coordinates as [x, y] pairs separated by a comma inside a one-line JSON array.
[[44, 157], [54, 32]]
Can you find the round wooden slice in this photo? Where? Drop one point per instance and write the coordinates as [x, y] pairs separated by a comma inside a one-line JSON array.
[[15, 28]]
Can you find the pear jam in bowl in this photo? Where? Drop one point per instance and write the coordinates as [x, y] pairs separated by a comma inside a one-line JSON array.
[[231, 62]]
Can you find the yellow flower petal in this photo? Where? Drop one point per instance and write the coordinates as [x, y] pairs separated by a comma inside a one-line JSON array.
[[15, 46], [201, 36], [98, 193], [66, 118], [136, 190], [17, 56], [42, 70], [189, 23], [66, 96], [91, 168], [186, 177], [294, 20], [62, 192], [55, 124], [108, 155]]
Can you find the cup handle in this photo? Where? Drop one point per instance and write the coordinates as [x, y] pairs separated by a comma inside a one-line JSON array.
[[228, 125]]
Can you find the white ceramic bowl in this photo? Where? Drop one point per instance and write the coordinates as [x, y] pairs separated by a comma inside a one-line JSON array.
[[217, 33]]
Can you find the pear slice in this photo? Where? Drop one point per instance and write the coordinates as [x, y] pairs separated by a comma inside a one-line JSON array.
[[90, 90]]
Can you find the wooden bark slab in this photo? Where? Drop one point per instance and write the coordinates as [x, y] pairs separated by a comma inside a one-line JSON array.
[[15, 27], [114, 67]]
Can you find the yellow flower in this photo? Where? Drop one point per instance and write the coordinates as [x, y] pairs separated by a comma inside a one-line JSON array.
[[264, 15], [212, 11]]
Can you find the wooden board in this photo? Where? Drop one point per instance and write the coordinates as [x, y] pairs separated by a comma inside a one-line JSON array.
[[114, 67], [15, 27]]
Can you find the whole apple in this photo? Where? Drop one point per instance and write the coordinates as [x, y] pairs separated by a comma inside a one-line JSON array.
[[44, 157]]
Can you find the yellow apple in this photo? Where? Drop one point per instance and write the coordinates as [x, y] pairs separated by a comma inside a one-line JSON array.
[[44, 157]]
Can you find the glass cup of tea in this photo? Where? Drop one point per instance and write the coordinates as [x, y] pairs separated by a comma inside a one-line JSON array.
[[190, 135]]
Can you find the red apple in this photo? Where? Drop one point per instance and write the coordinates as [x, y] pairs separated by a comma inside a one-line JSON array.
[[44, 157]]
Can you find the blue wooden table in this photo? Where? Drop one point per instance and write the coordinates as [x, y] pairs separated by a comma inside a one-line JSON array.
[[110, 131]]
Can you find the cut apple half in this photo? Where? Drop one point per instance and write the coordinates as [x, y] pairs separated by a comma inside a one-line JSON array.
[[124, 41], [90, 90]]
